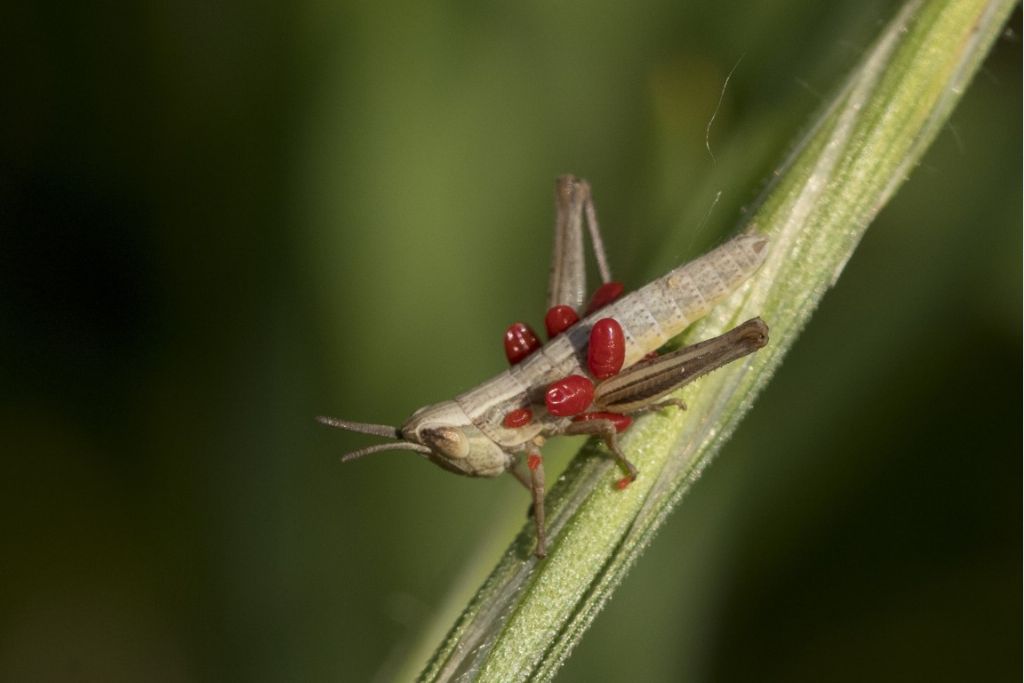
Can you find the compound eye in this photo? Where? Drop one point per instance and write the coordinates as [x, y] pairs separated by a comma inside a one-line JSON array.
[[448, 441]]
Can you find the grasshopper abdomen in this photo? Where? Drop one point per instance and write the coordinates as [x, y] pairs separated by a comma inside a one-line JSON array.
[[648, 318]]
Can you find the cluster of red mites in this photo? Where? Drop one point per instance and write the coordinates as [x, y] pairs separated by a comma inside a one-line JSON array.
[[606, 352]]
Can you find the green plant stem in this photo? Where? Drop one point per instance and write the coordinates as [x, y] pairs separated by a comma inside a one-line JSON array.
[[529, 614]]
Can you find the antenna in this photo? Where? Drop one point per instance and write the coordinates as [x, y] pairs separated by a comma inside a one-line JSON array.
[[386, 431], [403, 446]]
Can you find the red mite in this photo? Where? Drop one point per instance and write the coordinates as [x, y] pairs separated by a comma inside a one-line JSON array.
[[624, 483], [520, 342], [607, 349], [517, 418], [621, 421], [605, 294], [569, 396], [559, 319], [533, 461]]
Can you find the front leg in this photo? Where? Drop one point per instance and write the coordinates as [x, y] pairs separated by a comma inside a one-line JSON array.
[[535, 463], [534, 483]]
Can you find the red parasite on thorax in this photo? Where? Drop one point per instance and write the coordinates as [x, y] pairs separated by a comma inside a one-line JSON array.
[[605, 294], [520, 342], [620, 421], [606, 351], [517, 418], [569, 396], [559, 319]]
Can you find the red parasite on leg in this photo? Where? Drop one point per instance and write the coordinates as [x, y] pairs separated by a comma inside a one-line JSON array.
[[623, 484], [620, 421]]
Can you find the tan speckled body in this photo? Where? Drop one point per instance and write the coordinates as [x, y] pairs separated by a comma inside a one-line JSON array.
[[650, 316]]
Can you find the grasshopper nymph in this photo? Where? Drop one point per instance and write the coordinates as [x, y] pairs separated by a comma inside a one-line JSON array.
[[595, 373]]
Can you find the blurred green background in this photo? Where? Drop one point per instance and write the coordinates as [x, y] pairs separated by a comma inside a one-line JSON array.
[[219, 220]]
